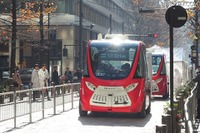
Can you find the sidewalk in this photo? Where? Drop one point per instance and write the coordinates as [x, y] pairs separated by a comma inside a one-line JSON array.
[[70, 122], [23, 121]]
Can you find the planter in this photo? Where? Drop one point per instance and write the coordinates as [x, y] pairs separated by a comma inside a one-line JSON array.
[[1, 99]]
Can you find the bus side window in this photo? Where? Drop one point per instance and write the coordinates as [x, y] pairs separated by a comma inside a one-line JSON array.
[[141, 67], [85, 70], [163, 72], [137, 72]]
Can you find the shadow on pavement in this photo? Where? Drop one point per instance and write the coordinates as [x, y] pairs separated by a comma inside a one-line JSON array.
[[114, 119]]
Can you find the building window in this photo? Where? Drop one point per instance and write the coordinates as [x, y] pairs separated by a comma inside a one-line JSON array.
[[68, 6], [61, 5]]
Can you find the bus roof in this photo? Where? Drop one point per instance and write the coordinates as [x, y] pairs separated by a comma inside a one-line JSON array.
[[158, 54], [116, 41]]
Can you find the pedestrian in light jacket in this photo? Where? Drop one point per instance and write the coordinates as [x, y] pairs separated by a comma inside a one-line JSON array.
[[35, 81], [44, 77]]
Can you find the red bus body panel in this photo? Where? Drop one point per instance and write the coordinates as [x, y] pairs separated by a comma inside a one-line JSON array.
[[136, 96]]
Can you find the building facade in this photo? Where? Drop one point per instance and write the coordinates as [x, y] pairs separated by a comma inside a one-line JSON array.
[[61, 32]]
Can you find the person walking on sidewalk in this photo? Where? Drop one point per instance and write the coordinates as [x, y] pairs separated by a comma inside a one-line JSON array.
[[35, 82], [16, 83], [68, 75], [197, 79], [55, 78], [44, 77], [78, 74], [16, 79]]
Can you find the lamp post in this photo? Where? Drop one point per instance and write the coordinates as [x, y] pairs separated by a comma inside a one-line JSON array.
[[80, 35], [14, 36], [90, 26], [110, 23], [122, 27]]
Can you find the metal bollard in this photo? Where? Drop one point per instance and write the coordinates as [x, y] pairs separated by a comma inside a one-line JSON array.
[[54, 98], [72, 95], [15, 108], [12, 88], [21, 95], [52, 91], [178, 128], [181, 103], [30, 104], [63, 97], [2, 99], [166, 119], [174, 118], [161, 128]]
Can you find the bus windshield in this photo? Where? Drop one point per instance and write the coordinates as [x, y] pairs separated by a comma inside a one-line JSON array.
[[156, 59], [109, 62]]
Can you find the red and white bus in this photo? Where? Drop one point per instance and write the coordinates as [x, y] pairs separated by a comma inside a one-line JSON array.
[[159, 76], [116, 78]]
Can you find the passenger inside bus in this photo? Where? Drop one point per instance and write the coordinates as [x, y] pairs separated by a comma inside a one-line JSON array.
[[126, 68]]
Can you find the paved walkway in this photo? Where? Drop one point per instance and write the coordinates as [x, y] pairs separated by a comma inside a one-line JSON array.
[[70, 122], [23, 121]]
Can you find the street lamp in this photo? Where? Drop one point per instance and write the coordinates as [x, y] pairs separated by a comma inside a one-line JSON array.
[[146, 10], [65, 51], [90, 26]]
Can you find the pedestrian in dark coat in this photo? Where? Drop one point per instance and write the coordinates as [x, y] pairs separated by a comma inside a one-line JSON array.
[[55, 78], [78, 74], [68, 75], [197, 79]]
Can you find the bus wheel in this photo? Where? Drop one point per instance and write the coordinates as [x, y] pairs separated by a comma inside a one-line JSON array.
[[166, 95], [142, 114], [81, 112]]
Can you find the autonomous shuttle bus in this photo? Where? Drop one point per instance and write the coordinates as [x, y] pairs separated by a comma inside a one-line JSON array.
[[116, 78], [159, 76]]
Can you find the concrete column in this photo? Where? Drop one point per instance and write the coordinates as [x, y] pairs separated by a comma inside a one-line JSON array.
[[161, 128], [166, 119]]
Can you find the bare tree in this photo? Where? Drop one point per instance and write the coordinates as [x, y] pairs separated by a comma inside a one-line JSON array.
[[156, 23], [21, 12]]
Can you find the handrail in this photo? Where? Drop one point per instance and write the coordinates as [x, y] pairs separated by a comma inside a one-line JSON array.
[[190, 110], [20, 103]]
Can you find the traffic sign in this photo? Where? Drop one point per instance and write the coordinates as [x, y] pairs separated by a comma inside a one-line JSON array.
[[176, 16]]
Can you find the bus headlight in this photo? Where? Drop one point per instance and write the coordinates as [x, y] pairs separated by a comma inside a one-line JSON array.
[[90, 86], [131, 87], [158, 80]]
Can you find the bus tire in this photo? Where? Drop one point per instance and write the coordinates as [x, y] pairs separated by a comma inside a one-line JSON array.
[[166, 95], [81, 112], [142, 114]]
